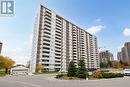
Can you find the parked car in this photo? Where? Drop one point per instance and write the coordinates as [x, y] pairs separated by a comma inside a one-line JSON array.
[[126, 72]]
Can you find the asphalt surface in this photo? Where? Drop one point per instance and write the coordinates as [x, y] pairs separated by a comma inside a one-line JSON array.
[[50, 81]]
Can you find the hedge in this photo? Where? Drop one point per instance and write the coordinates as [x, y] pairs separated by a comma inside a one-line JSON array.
[[112, 75], [100, 74]]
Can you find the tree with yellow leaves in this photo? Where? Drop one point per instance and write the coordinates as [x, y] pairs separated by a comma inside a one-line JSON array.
[[1, 62], [6, 63], [39, 67]]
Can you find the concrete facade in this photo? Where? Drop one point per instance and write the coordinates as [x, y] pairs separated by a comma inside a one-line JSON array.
[[119, 56], [125, 53], [57, 41], [106, 56], [19, 70]]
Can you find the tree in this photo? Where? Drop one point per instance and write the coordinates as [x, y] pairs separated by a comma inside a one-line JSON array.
[[1, 62], [117, 64], [1, 58], [82, 71], [8, 63], [126, 64], [39, 67], [103, 65], [72, 69], [109, 63], [121, 62]]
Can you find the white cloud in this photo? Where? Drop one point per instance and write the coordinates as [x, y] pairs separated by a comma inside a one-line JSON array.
[[126, 32], [95, 29]]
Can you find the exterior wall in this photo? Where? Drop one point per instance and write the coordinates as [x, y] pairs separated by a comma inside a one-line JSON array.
[[57, 41], [64, 63], [93, 52], [119, 56], [70, 43], [125, 51], [106, 56], [34, 45], [127, 46], [52, 43], [75, 45], [19, 70]]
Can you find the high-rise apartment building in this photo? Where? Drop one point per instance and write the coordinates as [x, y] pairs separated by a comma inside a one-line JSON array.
[[125, 53], [56, 42], [106, 56], [119, 56], [0, 47]]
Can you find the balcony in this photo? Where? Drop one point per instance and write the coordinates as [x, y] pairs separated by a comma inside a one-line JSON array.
[[59, 32], [59, 29], [58, 47], [47, 25], [46, 36], [47, 18], [48, 12], [58, 26], [59, 20], [46, 48], [46, 44], [46, 52], [57, 58], [46, 32], [59, 38], [47, 15], [45, 56]]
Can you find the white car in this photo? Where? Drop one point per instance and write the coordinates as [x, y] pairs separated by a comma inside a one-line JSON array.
[[126, 72]]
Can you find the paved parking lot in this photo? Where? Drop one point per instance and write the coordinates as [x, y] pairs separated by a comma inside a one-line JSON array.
[[49, 81]]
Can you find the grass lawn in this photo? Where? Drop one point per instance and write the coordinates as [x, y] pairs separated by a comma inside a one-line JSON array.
[[2, 74]]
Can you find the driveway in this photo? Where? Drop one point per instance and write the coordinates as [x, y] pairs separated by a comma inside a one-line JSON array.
[[50, 81]]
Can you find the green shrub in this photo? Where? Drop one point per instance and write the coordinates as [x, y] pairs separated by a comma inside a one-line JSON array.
[[108, 75], [2, 74], [119, 75], [112, 75], [59, 76], [102, 74]]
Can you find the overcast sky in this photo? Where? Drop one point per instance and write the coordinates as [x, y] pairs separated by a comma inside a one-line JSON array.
[[109, 20]]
